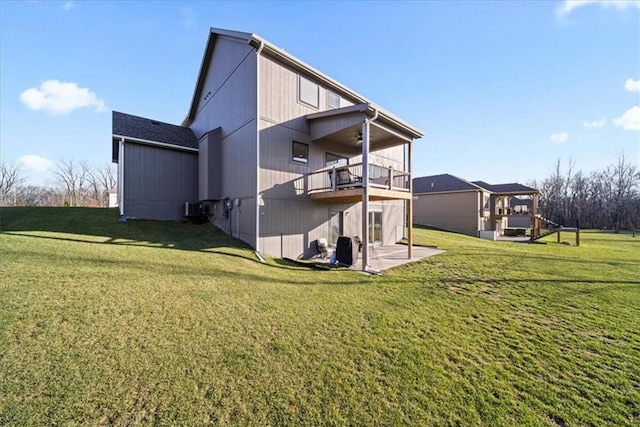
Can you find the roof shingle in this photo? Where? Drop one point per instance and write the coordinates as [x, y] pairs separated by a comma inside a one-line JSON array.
[[441, 183], [511, 188], [131, 126]]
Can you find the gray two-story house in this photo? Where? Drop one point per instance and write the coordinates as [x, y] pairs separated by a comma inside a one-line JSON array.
[[275, 152]]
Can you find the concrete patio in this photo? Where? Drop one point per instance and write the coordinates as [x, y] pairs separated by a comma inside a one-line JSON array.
[[383, 257], [519, 239]]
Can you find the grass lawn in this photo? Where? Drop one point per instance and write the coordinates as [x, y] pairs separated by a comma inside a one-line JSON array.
[[140, 323]]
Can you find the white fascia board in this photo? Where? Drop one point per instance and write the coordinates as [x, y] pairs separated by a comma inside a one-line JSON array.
[[156, 143], [391, 131]]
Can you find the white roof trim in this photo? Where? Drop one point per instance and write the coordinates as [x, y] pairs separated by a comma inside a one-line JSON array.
[[156, 143]]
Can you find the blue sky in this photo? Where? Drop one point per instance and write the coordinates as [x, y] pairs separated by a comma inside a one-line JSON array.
[[501, 89]]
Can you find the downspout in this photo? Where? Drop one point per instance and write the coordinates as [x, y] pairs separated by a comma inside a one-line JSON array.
[[258, 200], [121, 180], [365, 189]]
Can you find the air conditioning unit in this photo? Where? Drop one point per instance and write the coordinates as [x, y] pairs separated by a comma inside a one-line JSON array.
[[192, 209]]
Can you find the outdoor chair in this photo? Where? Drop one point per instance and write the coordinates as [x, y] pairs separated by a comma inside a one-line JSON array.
[[323, 247]]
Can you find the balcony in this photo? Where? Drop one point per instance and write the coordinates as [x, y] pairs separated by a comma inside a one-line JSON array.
[[344, 183]]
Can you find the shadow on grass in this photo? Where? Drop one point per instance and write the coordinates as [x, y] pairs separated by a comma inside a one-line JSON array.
[[103, 227], [210, 270]]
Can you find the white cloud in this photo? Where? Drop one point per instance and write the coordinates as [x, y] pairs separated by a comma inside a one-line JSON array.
[[189, 17], [596, 124], [58, 97], [630, 120], [37, 163], [68, 5], [559, 138], [567, 6], [632, 85]]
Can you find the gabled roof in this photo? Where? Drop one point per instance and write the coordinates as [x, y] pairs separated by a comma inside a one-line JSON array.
[[482, 184], [267, 48], [443, 183], [511, 188], [140, 128]]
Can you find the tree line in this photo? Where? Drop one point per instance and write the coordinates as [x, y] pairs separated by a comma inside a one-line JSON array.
[[603, 199], [74, 184]]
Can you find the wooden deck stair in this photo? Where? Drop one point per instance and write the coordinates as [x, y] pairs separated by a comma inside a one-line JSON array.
[[552, 227]]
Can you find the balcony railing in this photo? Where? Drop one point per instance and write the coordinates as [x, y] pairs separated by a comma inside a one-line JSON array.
[[342, 177]]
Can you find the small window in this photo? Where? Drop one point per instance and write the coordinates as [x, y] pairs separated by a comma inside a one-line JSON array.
[[300, 152], [309, 92], [333, 100], [331, 159]]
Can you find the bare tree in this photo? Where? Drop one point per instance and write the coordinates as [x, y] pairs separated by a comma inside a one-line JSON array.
[[634, 213], [624, 180], [35, 195], [107, 180], [552, 192], [595, 208], [604, 199], [72, 177], [11, 179], [94, 189]]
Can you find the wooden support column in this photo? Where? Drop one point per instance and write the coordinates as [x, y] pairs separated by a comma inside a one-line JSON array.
[[535, 222], [492, 212]]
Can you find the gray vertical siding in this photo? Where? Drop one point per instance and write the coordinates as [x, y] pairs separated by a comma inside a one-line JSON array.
[[290, 222], [450, 211], [290, 228], [210, 166], [158, 181], [229, 102], [240, 222], [229, 97]]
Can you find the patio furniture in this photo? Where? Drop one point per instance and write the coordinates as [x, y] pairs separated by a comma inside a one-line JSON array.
[[323, 246]]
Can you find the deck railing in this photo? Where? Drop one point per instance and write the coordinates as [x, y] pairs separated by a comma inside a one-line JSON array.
[[340, 177]]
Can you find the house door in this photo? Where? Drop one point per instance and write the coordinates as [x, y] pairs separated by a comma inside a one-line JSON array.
[[335, 227], [375, 227]]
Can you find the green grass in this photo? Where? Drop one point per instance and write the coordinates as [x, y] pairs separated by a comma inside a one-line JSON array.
[[141, 323]]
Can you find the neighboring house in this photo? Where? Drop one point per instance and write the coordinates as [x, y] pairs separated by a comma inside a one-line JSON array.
[[113, 197], [276, 153], [471, 207]]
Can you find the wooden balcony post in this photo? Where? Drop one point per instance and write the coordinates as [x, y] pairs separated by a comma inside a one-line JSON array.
[[333, 178]]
